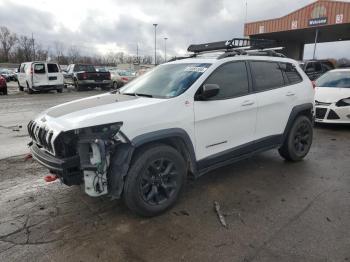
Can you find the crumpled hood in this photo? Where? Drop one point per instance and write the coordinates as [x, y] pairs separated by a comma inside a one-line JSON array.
[[95, 110], [331, 94]]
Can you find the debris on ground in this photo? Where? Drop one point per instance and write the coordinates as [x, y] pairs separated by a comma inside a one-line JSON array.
[[219, 213], [28, 156]]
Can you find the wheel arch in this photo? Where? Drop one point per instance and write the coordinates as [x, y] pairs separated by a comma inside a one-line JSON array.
[[174, 137], [124, 154]]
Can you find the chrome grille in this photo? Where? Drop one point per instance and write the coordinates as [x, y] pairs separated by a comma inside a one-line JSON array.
[[41, 135]]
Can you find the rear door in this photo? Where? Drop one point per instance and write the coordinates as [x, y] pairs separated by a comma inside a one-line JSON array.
[[274, 98], [55, 77], [40, 74], [226, 121]]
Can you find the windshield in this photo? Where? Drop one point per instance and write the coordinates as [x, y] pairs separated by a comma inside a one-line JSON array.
[[166, 81], [334, 79]]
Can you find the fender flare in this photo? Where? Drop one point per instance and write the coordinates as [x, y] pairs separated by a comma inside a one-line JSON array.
[[167, 134], [296, 111]]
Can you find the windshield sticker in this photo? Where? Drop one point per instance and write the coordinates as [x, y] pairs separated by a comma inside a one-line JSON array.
[[195, 69]]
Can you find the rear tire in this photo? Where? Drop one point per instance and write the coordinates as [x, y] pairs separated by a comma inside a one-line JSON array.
[[30, 91], [59, 90], [299, 139], [115, 85], [155, 180]]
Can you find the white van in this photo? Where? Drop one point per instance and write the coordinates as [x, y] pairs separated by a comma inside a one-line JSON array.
[[40, 76]]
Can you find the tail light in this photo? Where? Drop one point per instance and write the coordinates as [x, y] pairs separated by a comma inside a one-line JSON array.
[[109, 76], [125, 79], [313, 84], [85, 76]]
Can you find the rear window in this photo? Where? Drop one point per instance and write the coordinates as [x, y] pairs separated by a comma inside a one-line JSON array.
[[267, 75], [85, 68], [52, 68], [291, 73], [39, 69]]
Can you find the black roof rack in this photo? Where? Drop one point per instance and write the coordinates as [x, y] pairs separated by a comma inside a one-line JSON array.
[[236, 46], [232, 44]]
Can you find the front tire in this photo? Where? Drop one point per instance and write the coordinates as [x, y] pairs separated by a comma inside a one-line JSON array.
[[77, 86], [298, 142], [155, 180], [20, 87]]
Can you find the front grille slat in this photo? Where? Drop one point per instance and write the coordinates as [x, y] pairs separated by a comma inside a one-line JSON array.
[[41, 135]]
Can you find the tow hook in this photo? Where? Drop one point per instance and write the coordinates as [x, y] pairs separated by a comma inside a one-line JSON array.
[[50, 178]]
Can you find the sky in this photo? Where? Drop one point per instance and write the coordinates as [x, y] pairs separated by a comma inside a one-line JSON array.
[[121, 25]]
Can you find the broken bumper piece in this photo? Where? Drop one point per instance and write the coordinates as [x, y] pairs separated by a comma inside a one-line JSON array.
[[68, 169]]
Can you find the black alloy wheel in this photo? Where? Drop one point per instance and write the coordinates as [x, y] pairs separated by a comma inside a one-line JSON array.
[[158, 182]]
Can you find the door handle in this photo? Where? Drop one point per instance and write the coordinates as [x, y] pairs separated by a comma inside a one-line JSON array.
[[290, 94], [248, 103]]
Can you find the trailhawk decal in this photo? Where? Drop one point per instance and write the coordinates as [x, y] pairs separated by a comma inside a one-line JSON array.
[[195, 69]]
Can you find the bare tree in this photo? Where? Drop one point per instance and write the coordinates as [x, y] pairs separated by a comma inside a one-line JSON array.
[[7, 40], [59, 50], [25, 48], [73, 54]]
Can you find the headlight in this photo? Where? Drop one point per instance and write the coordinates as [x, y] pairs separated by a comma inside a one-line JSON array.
[[105, 131], [343, 102]]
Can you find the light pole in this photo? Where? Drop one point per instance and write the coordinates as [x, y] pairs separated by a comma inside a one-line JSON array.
[[165, 38], [155, 44]]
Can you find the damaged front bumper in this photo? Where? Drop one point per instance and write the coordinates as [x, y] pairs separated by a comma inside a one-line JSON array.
[[67, 169], [97, 157]]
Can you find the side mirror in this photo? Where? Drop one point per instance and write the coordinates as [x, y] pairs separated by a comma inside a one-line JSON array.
[[208, 91]]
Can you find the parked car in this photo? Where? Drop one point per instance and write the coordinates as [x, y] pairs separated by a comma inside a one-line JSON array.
[[85, 76], [40, 76], [315, 68], [188, 116], [333, 97], [7, 74], [3, 85], [121, 77], [15, 74]]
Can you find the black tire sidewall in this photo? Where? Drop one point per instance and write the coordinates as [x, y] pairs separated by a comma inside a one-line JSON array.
[[291, 148], [132, 195]]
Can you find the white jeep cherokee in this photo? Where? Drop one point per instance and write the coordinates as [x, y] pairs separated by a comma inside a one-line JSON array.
[[188, 116]]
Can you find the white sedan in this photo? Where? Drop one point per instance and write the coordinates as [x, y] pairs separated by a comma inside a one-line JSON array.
[[332, 97]]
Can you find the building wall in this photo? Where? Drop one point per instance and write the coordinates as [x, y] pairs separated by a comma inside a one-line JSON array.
[[333, 10]]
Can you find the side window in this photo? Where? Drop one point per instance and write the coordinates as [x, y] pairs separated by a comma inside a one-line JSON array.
[[232, 79], [52, 68], [39, 69], [267, 75], [291, 73]]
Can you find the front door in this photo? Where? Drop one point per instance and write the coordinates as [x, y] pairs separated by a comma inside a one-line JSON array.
[[226, 122]]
